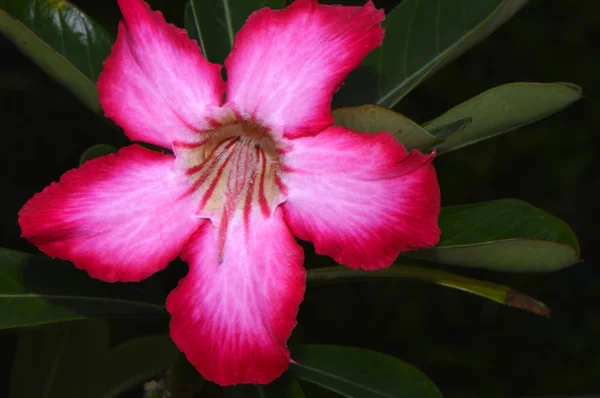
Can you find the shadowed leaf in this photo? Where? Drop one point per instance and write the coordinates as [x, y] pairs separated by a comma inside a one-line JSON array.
[[36, 290], [358, 373], [57, 361], [62, 40], [214, 23], [131, 363], [421, 36]]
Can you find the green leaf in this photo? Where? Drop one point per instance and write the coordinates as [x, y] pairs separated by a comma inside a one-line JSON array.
[[57, 361], [421, 36], [293, 390], [214, 23], [446, 130], [130, 363], [491, 291], [358, 373], [504, 235], [96, 151], [61, 39], [504, 108], [373, 119], [183, 379], [70, 359], [36, 290]]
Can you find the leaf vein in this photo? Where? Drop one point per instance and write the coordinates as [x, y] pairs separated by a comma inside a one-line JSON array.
[[344, 380]]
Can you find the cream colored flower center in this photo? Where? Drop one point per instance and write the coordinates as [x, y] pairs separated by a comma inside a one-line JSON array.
[[234, 169]]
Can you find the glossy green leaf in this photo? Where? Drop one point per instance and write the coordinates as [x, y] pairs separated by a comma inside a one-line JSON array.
[[130, 363], [58, 361], [373, 119], [37, 290], [503, 235], [504, 108], [61, 39], [96, 151], [491, 291], [421, 36], [358, 373], [214, 23]]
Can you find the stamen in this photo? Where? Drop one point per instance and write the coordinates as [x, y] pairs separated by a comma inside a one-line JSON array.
[[235, 169]]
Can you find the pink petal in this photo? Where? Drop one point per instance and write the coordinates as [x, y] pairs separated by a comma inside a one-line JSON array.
[[285, 65], [232, 317], [156, 84], [360, 197], [119, 217]]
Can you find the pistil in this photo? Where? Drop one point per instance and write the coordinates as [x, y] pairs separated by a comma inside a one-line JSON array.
[[234, 169]]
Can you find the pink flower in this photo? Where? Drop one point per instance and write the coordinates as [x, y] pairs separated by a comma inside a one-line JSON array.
[[255, 161]]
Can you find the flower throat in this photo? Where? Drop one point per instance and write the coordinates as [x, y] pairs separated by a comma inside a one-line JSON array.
[[234, 169]]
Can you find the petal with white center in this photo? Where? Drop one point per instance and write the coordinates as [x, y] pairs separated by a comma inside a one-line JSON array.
[[119, 217], [286, 64], [156, 84], [360, 198], [234, 311]]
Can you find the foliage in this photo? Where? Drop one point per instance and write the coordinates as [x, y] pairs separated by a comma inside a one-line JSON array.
[[422, 36]]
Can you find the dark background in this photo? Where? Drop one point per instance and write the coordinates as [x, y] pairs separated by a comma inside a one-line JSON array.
[[468, 346]]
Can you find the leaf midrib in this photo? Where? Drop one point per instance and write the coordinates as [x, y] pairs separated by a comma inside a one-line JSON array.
[[84, 298], [493, 242], [428, 67], [319, 371], [228, 22], [55, 361]]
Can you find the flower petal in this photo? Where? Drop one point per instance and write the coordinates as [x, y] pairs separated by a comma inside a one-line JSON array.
[[119, 217], [232, 318], [285, 65], [360, 197], [156, 84]]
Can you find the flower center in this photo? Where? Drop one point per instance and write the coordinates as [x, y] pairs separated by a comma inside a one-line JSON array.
[[235, 168]]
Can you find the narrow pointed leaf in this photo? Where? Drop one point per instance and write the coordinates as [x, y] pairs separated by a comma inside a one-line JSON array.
[[57, 361], [491, 291], [36, 290], [214, 23], [131, 363], [373, 119], [358, 373], [504, 235], [421, 36], [61, 39], [504, 108]]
